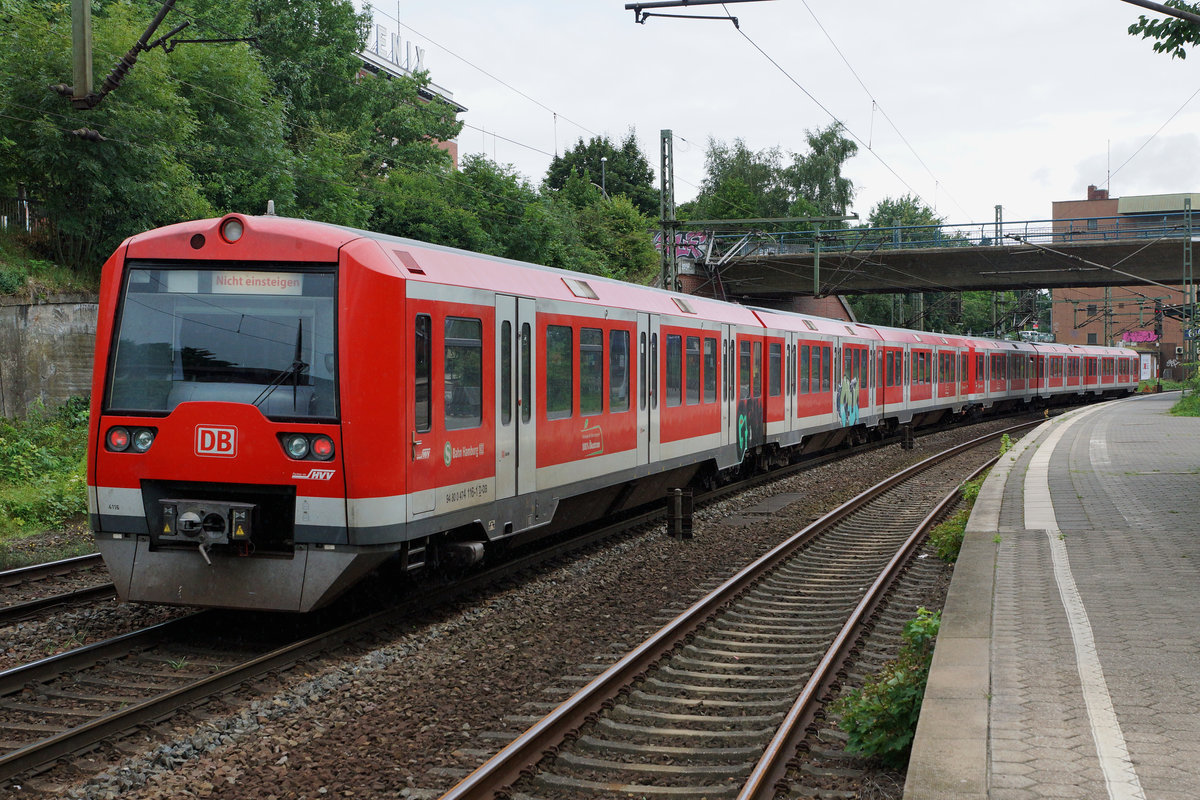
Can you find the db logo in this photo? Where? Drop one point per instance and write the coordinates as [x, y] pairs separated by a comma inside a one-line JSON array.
[[212, 440]]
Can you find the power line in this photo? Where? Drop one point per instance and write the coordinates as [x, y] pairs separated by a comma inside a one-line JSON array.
[[821, 105], [480, 69], [876, 105], [1153, 135]]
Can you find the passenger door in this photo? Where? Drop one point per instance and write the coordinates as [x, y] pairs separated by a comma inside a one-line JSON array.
[[516, 422], [647, 389]]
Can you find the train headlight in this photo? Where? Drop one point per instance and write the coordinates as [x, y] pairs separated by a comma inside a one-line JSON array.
[[296, 446], [117, 439], [232, 229], [322, 448], [142, 440]]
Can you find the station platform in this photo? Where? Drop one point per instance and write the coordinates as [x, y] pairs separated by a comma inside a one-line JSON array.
[[1068, 661]]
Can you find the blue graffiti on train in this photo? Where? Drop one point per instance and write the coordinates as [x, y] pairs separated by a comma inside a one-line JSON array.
[[847, 402]]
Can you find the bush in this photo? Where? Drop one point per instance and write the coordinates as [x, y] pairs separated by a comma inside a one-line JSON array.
[[43, 478], [881, 717], [947, 538]]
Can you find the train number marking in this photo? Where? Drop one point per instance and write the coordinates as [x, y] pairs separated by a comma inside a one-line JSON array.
[[216, 440]]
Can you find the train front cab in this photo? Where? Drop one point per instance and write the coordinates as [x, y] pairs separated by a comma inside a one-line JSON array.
[[216, 450]]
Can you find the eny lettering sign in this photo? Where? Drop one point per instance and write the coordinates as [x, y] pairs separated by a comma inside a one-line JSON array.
[[216, 440]]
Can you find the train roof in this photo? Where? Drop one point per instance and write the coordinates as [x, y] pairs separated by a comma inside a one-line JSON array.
[[265, 238]]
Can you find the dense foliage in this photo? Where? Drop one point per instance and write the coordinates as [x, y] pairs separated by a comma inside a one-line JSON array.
[[43, 483], [881, 717], [207, 129], [743, 184]]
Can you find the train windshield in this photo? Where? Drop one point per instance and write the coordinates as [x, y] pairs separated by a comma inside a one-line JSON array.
[[235, 333]]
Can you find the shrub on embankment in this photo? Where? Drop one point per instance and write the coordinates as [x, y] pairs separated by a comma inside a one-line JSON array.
[[43, 480]]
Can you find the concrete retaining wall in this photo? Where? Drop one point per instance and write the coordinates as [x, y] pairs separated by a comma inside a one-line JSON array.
[[45, 351]]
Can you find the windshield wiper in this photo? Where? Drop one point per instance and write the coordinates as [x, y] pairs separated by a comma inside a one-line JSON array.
[[294, 371]]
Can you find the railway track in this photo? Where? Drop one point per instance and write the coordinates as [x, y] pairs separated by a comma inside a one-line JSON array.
[[41, 581], [176, 670], [716, 702]]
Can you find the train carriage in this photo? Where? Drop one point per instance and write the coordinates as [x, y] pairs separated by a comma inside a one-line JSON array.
[[281, 406]]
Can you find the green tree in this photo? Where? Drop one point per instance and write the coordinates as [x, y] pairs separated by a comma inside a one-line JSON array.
[[740, 183], [146, 172], [903, 211], [1171, 34], [626, 170], [816, 177]]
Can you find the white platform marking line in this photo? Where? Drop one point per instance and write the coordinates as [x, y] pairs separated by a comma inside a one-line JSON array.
[[1119, 775]]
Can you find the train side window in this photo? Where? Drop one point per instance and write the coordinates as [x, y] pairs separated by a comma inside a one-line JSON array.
[[826, 368], [462, 378], [805, 360], [890, 366], [505, 372], [710, 370], [526, 398], [423, 358], [674, 369], [618, 371], [558, 367], [654, 370], [693, 370], [591, 371], [743, 369], [756, 379], [775, 369], [642, 382]]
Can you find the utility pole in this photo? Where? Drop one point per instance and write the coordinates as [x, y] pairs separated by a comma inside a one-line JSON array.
[[1189, 287], [81, 39], [666, 206]]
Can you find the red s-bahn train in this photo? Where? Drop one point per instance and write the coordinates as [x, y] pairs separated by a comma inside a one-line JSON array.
[[280, 406]]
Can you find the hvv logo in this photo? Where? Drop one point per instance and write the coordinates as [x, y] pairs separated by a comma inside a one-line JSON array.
[[214, 440]]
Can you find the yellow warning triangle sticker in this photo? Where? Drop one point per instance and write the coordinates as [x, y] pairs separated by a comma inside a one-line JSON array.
[[239, 531], [167, 528]]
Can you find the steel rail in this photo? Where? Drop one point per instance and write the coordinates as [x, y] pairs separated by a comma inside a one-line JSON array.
[[19, 611], [544, 737], [769, 774], [42, 752], [12, 577]]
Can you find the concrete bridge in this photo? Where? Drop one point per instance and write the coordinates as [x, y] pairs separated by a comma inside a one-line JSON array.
[[1117, 251]]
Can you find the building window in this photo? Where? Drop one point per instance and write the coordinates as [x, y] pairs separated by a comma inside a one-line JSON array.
[[1091, 338]]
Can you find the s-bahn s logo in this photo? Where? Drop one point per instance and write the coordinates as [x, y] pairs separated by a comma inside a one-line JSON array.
[[216, 440]]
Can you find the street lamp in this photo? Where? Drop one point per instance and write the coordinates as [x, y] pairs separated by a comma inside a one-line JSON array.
[[603, 175]]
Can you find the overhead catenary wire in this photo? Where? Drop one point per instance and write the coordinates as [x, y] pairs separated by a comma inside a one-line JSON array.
[[876, 106], [1153, 136], [833, 116]]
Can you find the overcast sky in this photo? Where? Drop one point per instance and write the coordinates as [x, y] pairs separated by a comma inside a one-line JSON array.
[[1016, 103]]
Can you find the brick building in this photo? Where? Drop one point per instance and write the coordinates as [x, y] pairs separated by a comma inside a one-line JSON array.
[[1130, 315]]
